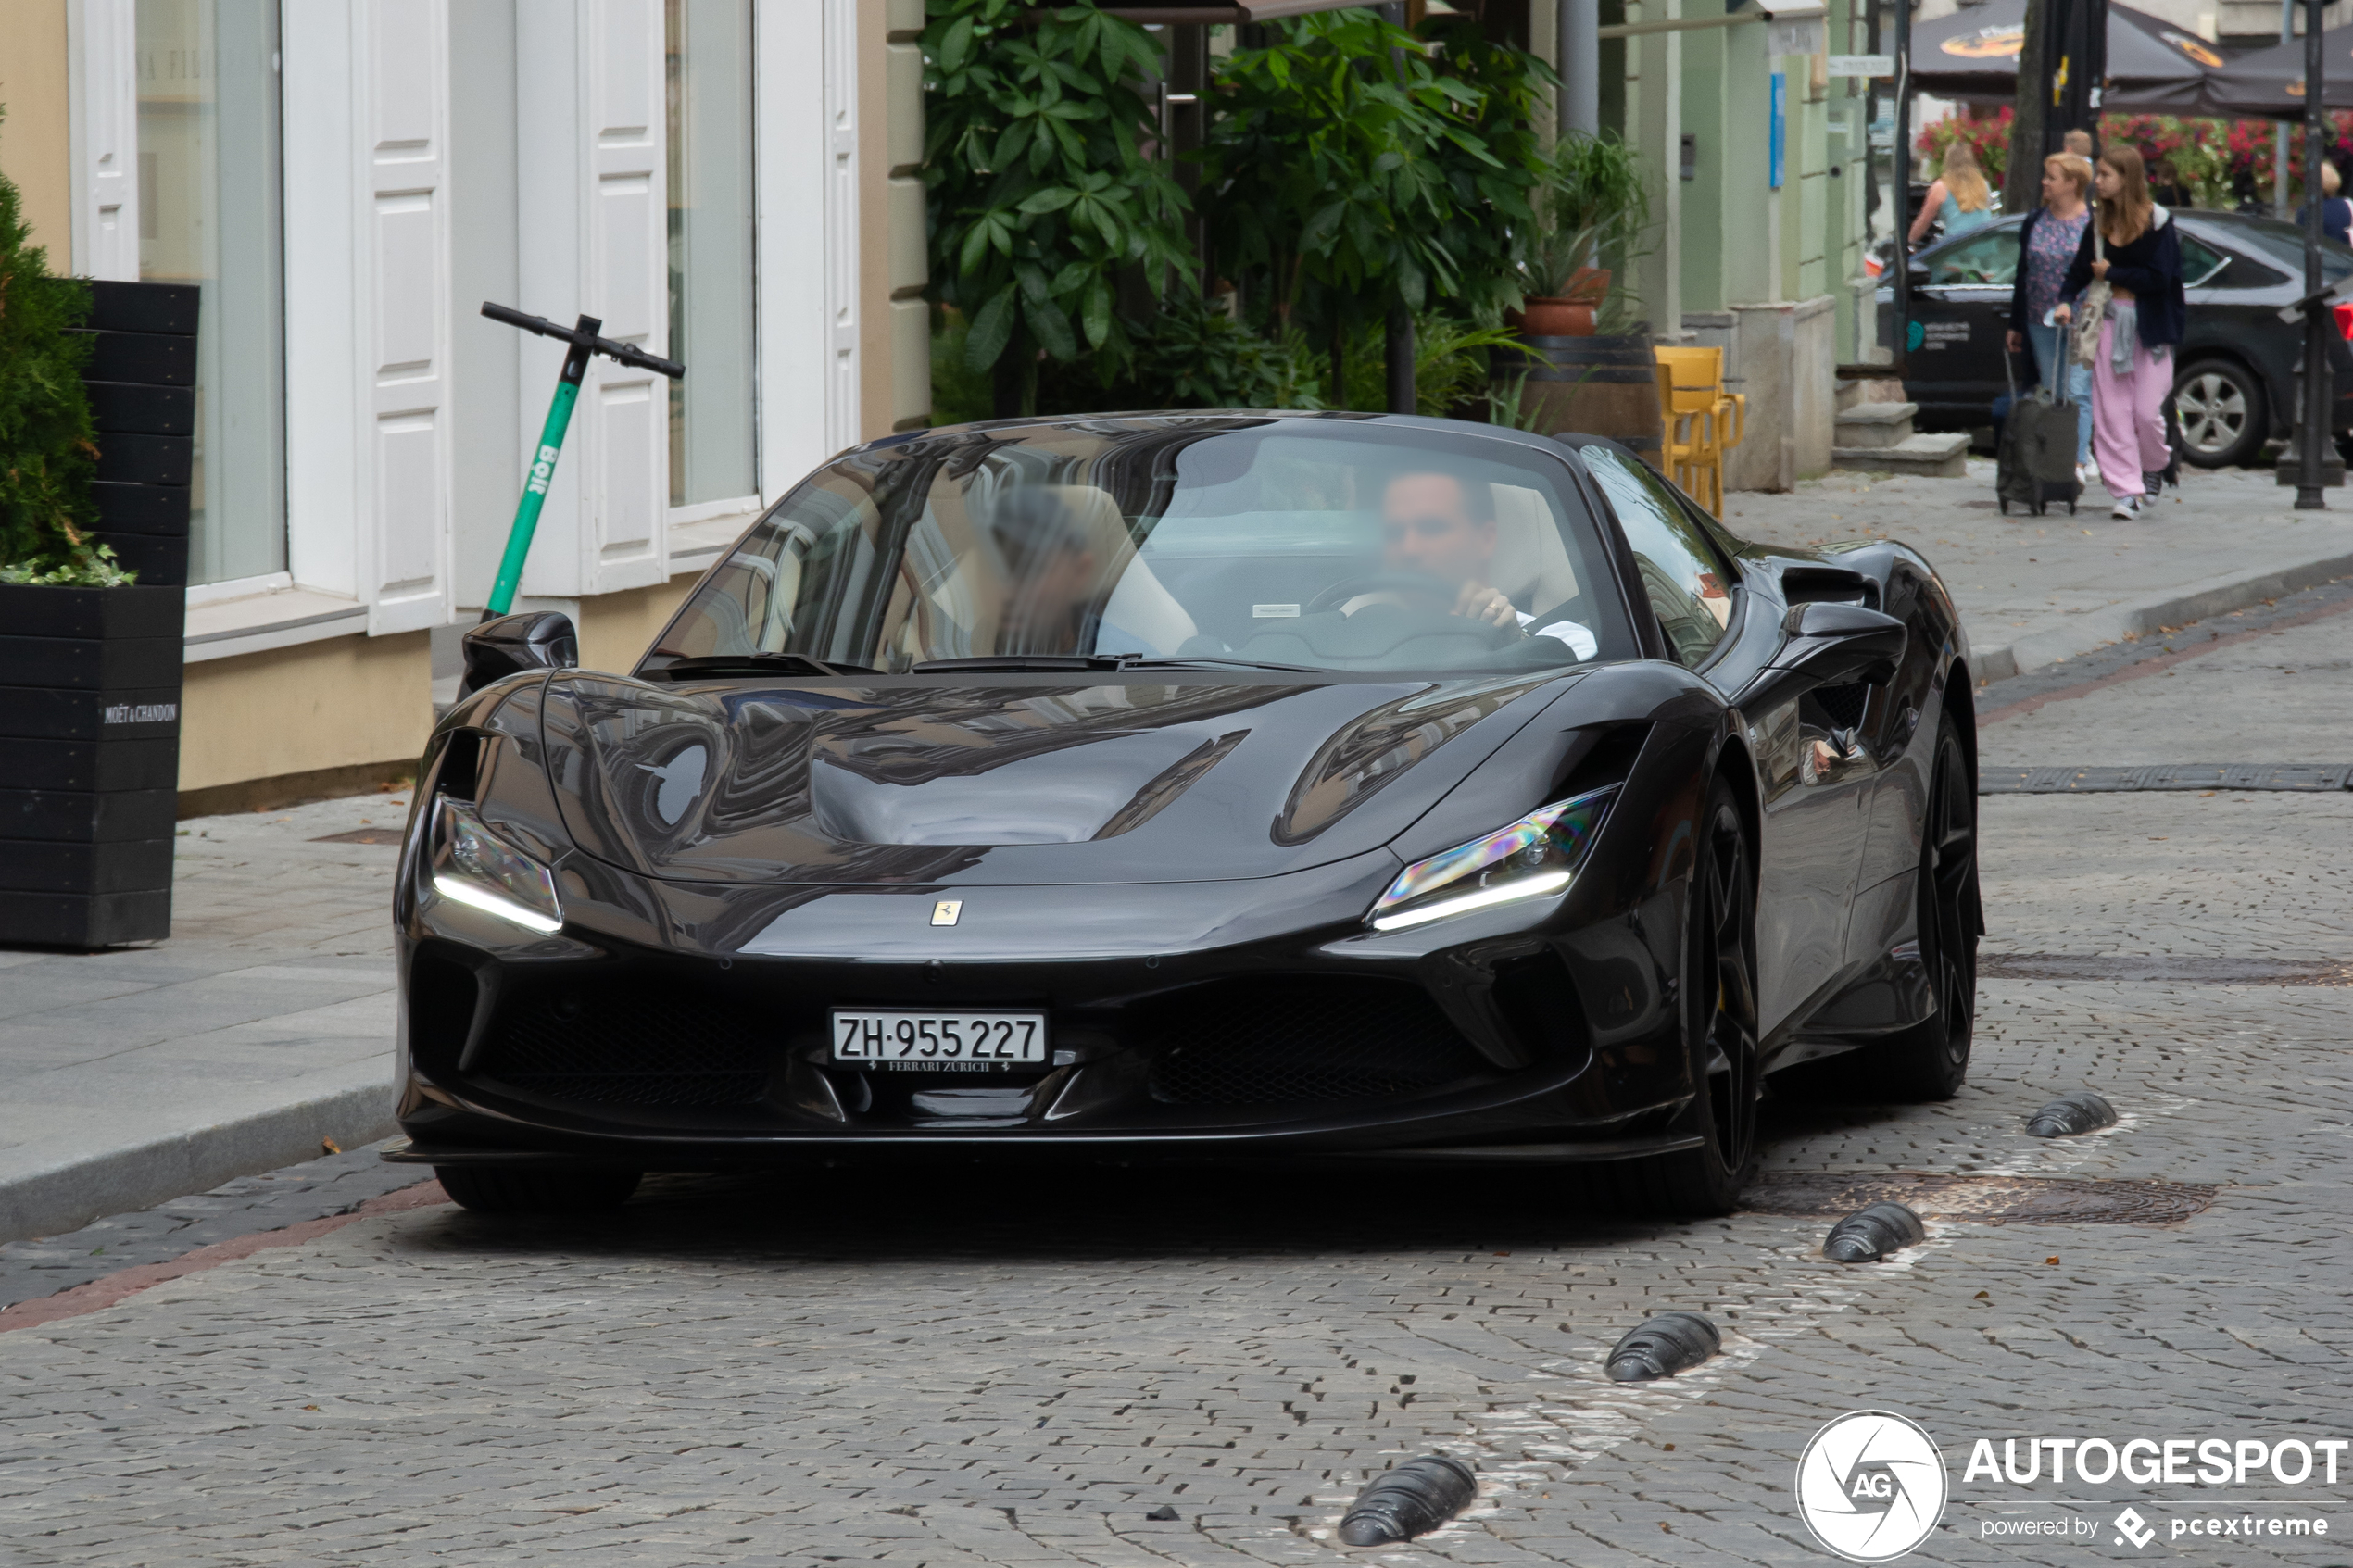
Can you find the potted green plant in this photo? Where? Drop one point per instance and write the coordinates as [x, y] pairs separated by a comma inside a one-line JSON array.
[[1590, 207], [91, 648]]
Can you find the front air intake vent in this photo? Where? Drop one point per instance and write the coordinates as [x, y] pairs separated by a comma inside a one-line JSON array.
[[1303, 1042], [625, 1047]]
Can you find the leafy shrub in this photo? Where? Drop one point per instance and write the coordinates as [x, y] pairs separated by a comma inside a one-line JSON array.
[[1039, 189], [47, 445], [1354, 158]]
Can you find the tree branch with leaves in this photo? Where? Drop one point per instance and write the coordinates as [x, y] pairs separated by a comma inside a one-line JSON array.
[[1041, 183]]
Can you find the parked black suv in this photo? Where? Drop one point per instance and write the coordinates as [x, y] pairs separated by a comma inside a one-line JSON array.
[[2234, 382]]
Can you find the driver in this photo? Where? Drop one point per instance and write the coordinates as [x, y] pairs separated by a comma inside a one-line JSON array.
[[1437, 525], [1443, 526]]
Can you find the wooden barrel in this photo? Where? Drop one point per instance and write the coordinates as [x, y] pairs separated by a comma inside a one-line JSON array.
[[1592, 385]]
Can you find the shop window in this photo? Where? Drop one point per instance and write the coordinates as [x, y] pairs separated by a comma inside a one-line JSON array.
[[208, 215], [708, 78]]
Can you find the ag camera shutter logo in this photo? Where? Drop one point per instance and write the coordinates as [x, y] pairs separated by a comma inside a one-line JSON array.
[[1872, 1485]]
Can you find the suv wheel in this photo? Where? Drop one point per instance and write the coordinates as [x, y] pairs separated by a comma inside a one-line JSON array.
[[2223, 413]]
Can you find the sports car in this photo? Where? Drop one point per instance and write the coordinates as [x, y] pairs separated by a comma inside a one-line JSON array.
[[1206, 786]]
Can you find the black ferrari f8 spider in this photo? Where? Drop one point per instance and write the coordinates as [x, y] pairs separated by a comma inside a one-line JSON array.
[[1199, 785]]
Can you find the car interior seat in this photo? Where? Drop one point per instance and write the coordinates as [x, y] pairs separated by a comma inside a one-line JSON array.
[[1531, 566]]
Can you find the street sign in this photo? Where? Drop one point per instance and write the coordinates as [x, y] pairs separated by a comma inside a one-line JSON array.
[[1862, 65]]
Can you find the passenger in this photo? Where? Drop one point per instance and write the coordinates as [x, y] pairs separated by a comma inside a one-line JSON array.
[[1443, 527], [1053, 582]]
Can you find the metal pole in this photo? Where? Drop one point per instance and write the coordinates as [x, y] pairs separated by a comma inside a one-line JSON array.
[[1903, 183], [2312, 447], [2279, 144], [1580, 51], [1400, 335]]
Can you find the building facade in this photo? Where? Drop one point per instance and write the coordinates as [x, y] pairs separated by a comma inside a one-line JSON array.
[[731, 184]]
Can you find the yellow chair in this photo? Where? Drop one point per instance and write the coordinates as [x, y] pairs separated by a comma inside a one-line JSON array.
[[1679, 440], [1692, 394]]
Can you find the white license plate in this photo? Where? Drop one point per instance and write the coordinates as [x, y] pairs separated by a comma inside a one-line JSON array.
[[940, 1041]]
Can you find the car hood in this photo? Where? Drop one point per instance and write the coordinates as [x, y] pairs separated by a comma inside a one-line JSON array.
[[1010, 783]]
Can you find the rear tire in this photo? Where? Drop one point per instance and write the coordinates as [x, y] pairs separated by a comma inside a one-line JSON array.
[[1719, 1030], [1930, 1061], [491, 1189]]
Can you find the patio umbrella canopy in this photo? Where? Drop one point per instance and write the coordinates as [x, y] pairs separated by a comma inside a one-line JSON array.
[[2152, 65], [2269, 83]]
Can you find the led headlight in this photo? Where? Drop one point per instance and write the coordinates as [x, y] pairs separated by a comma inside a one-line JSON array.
[[1534, 858], [474, 866]]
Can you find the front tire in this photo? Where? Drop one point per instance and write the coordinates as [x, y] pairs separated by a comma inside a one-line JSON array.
[[1720, 1028], [491, 1189]]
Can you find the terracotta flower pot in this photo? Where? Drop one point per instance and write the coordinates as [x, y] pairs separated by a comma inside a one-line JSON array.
[[1539, 317]]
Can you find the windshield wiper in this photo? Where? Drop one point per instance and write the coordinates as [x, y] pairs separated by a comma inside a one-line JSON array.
[[1048, 661], [757, 664], [1202, 660], [1109, 662]]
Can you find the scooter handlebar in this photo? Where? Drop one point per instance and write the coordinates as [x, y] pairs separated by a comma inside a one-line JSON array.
[[619, 353]]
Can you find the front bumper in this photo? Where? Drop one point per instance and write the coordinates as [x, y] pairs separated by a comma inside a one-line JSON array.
[[684, 1027]]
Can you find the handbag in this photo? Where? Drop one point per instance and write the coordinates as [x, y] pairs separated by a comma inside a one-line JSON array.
[[2083, 339]]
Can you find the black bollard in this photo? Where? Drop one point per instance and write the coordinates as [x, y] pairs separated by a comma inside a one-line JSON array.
[[2082, 1111], [1871, 1234], [1662, 1347], [1414, 1498]]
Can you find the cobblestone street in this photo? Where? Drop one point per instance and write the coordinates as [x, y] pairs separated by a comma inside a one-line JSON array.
[[925, 1367]]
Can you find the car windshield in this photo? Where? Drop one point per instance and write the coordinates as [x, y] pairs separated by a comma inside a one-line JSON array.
[[1309, 542]]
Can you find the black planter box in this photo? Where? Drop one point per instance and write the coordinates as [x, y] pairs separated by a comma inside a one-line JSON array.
[[90, 677], [142, 410]]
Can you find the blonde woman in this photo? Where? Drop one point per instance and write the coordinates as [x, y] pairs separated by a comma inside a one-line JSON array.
[[2134, 368], [1960, 196], [2048, 242]]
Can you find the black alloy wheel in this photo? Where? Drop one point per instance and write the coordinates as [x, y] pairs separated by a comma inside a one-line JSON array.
[[1719, 1026], [2221, 409], [491, 1189], [1930, 1061]]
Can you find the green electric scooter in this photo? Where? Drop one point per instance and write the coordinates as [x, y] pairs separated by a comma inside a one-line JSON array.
[[585, 343]]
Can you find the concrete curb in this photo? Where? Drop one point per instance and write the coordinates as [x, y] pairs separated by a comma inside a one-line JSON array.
[[71, 1192], [2097, 628]]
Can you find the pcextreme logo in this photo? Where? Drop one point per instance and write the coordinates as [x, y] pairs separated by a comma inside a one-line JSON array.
[[1872, 1485]]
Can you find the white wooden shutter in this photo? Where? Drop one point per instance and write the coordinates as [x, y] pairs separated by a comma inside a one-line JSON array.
[[842, 409], [591, 146], [805, 176], [401, 82], [102, 43], [628, 285]]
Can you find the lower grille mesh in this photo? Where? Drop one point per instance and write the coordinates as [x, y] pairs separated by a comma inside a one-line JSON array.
[[627, 1047], [1297, 1041]]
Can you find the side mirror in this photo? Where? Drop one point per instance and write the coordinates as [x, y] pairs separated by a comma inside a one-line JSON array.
[[1832, 643], [540, 639]]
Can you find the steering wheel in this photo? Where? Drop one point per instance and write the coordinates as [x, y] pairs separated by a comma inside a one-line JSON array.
[[1410, 584]]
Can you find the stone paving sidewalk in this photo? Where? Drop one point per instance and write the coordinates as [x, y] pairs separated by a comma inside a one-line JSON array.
[[2034, 590], [260, 1029]]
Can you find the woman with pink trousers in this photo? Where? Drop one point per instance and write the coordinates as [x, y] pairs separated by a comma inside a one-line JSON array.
[[2130, 243]]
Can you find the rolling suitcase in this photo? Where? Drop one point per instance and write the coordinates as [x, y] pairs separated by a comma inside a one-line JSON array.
[[2035, 460]]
